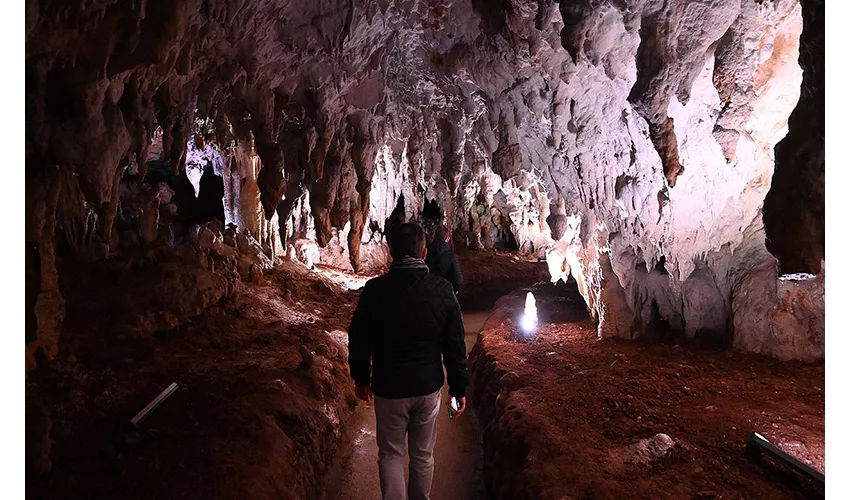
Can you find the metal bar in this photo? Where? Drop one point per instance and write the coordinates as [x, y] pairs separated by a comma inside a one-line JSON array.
[[171, 389], [762, 443]]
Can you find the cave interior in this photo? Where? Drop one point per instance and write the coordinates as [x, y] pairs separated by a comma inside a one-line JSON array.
[[210, 183]]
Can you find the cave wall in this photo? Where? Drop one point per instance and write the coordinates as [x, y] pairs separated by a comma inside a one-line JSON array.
[[607, 135], [713, 98]]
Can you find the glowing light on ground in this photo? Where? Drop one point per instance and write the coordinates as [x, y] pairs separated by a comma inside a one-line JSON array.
[[529, 315]]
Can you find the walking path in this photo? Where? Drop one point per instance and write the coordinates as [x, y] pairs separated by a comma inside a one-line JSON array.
[[457, 454]]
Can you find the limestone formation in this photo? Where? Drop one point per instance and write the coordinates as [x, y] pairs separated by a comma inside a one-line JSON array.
[[629, 141], [648, 450]]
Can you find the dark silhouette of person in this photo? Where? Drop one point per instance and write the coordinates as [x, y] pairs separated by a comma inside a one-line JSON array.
[[406, 328], [442, 261], [210, 196]]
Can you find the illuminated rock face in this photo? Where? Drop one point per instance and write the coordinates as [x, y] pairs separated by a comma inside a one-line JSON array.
[[604, 134], [648, 241]]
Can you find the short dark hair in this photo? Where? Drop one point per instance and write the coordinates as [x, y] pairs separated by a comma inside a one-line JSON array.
[[407, 240], [442, 233]]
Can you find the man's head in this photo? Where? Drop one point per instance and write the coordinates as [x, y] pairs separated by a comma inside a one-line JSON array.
[[442, 234], [407, 240]]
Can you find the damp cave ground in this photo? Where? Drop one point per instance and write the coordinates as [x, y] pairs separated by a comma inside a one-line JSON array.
[[253, 423]]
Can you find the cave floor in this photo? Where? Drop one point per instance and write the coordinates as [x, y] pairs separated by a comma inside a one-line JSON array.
[[252, 422], [457, 454], [252, 425], [578, 403]]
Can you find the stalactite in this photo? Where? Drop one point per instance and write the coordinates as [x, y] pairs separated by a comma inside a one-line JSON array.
[[650, 122]]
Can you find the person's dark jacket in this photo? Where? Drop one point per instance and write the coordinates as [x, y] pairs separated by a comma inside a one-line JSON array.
[[443, 262], [408, 324]]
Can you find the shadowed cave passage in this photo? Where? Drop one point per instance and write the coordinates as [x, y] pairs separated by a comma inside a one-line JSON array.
[[210, 184], [210, 197], [794, 207], [432, 211]]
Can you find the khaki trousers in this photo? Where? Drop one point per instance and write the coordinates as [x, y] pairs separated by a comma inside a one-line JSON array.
[[416, 419]]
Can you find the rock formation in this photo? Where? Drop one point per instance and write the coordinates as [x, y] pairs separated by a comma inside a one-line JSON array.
[[629, 141]]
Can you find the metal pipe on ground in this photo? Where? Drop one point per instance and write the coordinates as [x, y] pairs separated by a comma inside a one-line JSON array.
[[134, 424], [758, 442]]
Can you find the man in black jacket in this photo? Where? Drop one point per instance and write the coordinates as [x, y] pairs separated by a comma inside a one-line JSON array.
[[407, 324], [442, 261]]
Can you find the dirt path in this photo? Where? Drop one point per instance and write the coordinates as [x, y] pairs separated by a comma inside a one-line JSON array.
[[457, 469], [488, 275]]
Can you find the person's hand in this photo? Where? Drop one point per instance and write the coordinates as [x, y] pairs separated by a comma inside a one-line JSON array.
[[461, 406], [363, 393]]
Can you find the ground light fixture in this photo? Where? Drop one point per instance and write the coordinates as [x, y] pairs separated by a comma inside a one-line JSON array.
[[528, 323]]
